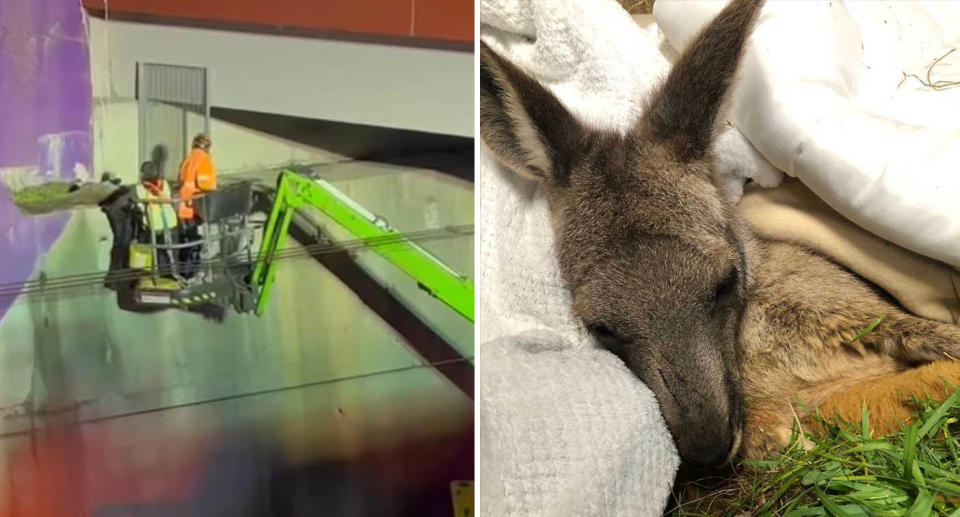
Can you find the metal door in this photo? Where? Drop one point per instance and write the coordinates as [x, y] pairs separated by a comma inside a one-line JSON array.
[[173, 105]]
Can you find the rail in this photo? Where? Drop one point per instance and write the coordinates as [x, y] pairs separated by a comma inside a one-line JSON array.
[[206, 236]]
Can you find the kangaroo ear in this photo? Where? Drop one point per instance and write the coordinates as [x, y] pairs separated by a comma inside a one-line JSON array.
[[684, 109], [523, 123]]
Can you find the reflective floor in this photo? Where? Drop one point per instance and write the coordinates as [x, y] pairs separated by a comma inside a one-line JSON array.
[[300, 451]]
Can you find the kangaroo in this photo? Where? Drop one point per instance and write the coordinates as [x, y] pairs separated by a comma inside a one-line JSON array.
[[727, 329]]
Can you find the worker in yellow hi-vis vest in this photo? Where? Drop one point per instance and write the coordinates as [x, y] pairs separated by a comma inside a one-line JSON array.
[[159, 217]]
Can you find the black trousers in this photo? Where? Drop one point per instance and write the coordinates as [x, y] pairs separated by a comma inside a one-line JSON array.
[[189, 257], [163, 257]]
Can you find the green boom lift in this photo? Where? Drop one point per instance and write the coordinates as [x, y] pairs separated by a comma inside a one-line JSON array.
[[238, 278], [295, 191]]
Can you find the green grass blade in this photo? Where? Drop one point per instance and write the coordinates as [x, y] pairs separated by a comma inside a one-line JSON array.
[[784, 486], [947, 488], [909, 451], [855, 510], [914, 471], [864, 421], [938, 413], [831, 507], [867, 330], [922, 505], [953, 448], [873, 446]]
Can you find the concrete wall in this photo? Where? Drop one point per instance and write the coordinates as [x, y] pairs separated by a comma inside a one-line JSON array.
[[398, 87], [236, 148]]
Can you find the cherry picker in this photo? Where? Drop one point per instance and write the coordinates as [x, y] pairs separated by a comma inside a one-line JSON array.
[[235, 272]]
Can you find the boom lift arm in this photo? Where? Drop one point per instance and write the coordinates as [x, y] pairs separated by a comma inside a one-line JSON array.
[[295, 190]]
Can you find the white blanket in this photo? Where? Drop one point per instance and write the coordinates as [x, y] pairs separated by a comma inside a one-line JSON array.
[[820, 96]]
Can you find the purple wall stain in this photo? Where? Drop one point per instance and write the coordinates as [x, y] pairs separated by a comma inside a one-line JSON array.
[[45, 117]]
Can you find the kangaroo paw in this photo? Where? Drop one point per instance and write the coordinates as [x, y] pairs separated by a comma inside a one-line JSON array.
[[767, 432], [914, 339]]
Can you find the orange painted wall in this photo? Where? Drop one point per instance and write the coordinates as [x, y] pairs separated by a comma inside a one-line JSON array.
[[450, 20]]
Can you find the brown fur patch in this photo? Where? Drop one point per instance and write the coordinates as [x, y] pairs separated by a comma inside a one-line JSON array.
[[890, 398]]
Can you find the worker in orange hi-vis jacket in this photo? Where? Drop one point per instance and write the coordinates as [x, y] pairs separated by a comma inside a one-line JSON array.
[[197, 175]]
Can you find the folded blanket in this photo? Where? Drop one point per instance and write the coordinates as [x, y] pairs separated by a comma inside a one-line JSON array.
[[824, 95], [793, 213]]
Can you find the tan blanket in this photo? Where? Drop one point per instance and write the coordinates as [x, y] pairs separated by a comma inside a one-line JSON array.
[[793, 213]]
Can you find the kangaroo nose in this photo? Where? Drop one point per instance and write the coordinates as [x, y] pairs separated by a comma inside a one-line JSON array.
[[712, 446], [702, 421], [706, 453]]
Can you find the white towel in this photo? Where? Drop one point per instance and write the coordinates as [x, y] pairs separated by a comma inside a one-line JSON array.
[[820, 96], [565, 429]]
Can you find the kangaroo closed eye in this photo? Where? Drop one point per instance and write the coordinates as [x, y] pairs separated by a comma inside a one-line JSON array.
[[726, 286], [607, 338]]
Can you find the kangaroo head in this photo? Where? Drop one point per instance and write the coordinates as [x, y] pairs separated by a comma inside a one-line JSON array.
[[653, 256]]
